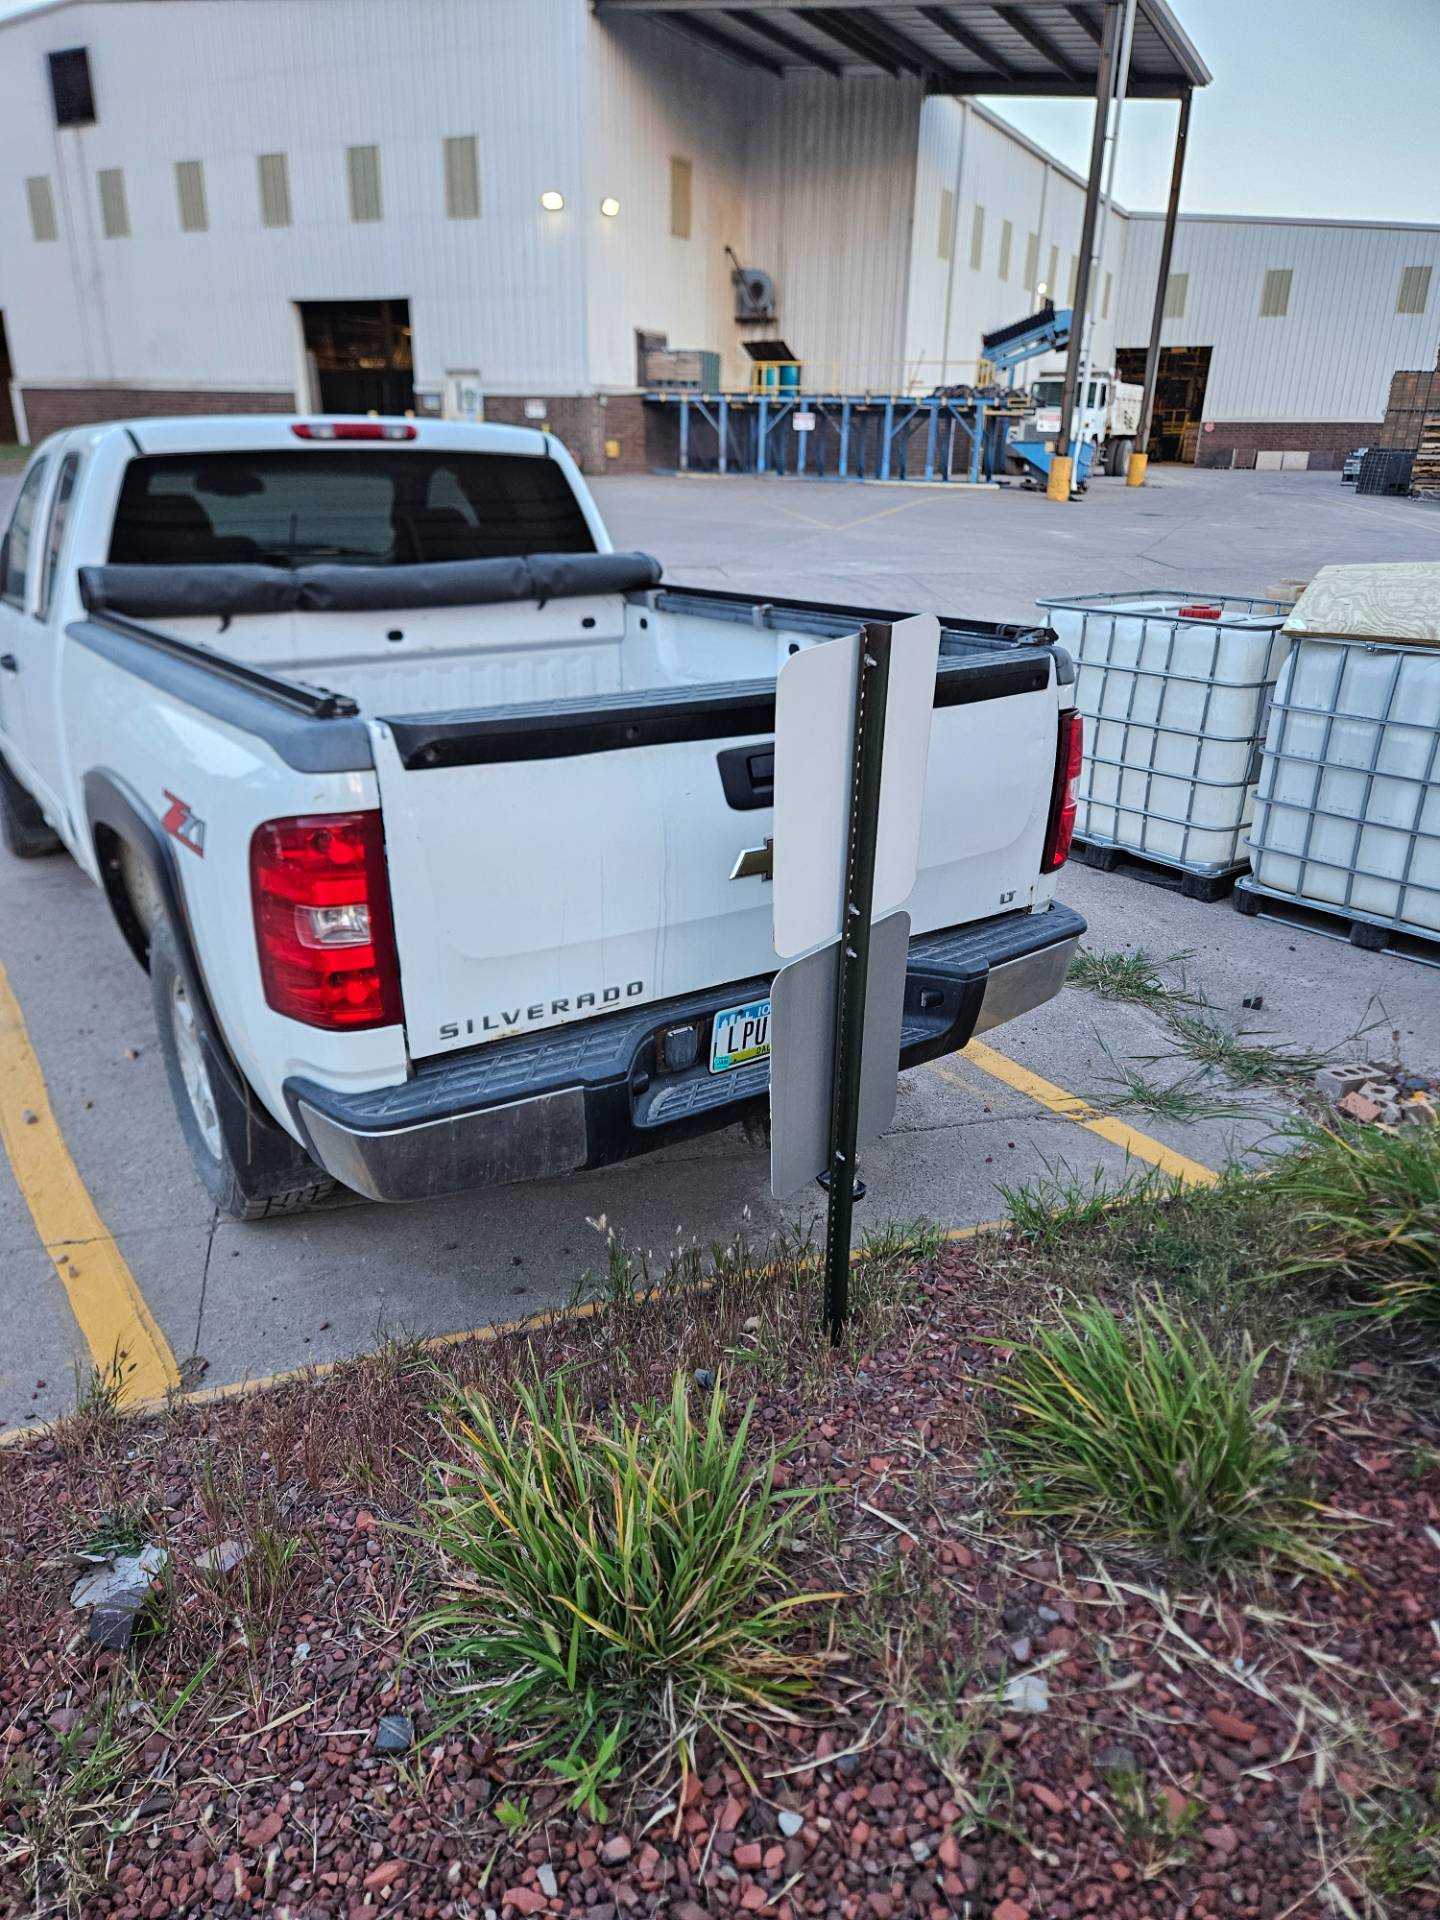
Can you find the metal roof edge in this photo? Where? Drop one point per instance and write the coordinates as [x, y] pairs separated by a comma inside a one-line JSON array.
[[1181, 46], [1297, 220]]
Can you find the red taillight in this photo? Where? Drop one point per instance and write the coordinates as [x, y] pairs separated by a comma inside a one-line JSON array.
[[1065, 796], [322, 920], [354, 430]]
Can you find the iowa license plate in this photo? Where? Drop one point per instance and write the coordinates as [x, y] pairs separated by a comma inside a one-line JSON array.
[[740, 1034]]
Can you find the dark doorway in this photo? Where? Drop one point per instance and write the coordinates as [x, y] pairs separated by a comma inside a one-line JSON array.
[[1179, 397], [359, 353], [8, 430]]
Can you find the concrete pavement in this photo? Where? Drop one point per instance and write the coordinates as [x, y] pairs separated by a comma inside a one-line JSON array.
[[240, 1301]]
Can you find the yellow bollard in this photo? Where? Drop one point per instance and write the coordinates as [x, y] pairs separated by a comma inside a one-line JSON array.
[[1135, 471], [1057, 487]]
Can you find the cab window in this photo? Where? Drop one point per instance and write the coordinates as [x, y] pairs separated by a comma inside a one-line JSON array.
[[15, 553], [59, 519]]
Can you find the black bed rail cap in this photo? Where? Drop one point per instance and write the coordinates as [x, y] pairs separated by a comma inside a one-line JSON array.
[[147, 592]]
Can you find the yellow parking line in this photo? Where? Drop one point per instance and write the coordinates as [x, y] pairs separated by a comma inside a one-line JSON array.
[[1070, 1107], [104, 1298]]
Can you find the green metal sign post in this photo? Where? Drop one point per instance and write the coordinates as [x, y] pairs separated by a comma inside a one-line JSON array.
[[872, 683]]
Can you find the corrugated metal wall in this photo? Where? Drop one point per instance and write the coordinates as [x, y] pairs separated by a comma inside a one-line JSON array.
[[223, 81], [1331, 355], [973, 157], [836, 188]]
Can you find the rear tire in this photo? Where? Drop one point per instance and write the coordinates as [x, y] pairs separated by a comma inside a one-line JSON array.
[[22, 824], [1120, 452], [213, 1118]]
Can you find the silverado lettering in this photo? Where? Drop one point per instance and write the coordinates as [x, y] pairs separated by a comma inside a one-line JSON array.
[[506, 1022]]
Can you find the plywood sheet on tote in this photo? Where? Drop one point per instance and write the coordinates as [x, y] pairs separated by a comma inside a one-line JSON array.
[[1394, 603]]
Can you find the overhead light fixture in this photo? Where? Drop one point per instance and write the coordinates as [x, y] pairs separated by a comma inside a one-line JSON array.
[[609, 206], [552, 201]]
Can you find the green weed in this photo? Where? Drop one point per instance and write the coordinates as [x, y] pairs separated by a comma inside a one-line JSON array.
[[616, 1582], [1145, 1432], [1367, 1204], [1130, 976]]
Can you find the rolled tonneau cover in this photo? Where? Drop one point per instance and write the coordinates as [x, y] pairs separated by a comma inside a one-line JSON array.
[[146, 592]]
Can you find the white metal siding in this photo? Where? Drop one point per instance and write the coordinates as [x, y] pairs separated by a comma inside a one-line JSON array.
[[1330, 355], [1020, 190]]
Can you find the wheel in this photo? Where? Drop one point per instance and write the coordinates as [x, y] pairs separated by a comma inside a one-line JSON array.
[[248, 1166], [22, 825], [1120, 452]]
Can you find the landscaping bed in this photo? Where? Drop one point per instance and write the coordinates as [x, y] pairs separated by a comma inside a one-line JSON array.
[[1002, 1718]]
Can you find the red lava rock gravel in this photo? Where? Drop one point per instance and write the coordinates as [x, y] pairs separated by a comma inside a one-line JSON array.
[[1202, 1753]]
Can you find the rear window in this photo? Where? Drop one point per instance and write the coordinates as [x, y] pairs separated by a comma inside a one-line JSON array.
[[370, 508]]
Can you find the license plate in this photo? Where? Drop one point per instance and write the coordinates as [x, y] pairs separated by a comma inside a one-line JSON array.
[[740, 1034]]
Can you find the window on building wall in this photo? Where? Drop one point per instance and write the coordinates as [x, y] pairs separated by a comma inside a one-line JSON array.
[[1414, 295], [41, 199], [462, 177], [1275, 293], [1105, 303], [190, 191], [273, 170], [71, 93], [1074, 276], [1007, 240], [682, 181], [977, 237], [1032, 261], [362, 165], [1052, 273], [945, 242], [114, 213], [1177, 292]]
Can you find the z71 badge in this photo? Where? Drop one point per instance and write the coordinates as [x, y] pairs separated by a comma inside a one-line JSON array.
[[182, 824]]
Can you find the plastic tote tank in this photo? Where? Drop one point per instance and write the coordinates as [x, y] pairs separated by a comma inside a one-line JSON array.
[[1174, 689], [1347, 817]]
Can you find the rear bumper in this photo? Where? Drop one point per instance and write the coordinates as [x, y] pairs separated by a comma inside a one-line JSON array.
[[592, 1093]]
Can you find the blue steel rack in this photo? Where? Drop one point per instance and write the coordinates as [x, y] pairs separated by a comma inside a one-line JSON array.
[[855, 437]]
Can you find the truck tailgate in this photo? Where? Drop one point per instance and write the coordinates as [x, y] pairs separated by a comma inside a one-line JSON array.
[[553, 861]]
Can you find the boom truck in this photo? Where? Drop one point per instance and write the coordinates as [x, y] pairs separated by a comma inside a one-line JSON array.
[[1105, 424]]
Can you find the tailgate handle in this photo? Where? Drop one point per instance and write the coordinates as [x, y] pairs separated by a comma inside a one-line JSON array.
[[748, 776]]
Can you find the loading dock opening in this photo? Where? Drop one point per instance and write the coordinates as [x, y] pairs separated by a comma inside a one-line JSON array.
[[1179, 406], [359, 356]]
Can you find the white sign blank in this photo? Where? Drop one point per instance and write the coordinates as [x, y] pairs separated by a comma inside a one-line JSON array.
[[814, 729]]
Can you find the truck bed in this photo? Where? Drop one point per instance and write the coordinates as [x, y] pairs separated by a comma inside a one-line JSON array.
[[568, 781]]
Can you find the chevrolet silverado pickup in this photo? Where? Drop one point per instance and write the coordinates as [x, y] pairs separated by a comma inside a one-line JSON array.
[[425, 810]]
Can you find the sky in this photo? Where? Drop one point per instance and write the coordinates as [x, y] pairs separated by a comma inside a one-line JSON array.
[[1324, 108]]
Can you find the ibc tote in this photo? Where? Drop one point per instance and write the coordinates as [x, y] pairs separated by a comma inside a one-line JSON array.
[[1347, 819], [1174, 689]]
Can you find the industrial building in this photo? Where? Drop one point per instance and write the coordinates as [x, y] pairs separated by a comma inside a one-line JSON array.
[[544, 208]]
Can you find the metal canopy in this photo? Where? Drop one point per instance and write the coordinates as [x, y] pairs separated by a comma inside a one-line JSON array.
[[967, 46]]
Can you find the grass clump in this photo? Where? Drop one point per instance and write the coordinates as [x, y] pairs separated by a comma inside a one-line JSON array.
[[1367, 1204], [1130, 976], [1146, 1433], [616, 1583]]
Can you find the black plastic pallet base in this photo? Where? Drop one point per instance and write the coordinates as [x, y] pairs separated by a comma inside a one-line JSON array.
[[1193, 886], [1336, 925]]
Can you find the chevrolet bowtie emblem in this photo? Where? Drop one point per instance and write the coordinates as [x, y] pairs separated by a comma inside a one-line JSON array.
[[755, 863]]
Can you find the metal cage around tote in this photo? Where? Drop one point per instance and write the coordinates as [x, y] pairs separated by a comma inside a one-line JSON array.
[[1174, 689]]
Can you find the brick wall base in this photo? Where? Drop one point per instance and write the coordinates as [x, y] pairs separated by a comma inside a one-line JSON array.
[[1235, 443], [588, 424], [52, 409]]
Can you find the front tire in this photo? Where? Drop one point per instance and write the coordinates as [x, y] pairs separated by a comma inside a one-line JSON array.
[[249, 1171], [1120, 452], [22, 824]]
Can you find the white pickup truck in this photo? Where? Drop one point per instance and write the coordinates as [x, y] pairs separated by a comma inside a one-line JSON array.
[[423, 807]]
